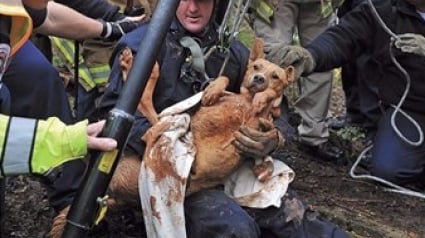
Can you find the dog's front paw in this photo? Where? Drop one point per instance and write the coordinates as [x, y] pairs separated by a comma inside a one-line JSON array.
[[214, 91], [126, 62], [210, 97], [259, 103], [264, 171]]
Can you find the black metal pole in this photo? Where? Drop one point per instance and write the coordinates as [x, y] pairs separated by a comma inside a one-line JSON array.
[[5, 27], [87, 205], [76, 78]]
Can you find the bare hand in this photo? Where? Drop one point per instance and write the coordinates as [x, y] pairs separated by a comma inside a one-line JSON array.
[[99, 143]]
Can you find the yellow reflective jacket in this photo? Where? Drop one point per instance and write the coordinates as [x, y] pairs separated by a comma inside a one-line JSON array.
[[36, 146], [30, 145]]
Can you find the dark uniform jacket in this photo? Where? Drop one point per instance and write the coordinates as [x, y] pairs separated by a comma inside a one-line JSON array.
[[175, 83], [359, 31]]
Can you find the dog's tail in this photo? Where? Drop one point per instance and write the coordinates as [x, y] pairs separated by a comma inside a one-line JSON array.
[[145, 106]]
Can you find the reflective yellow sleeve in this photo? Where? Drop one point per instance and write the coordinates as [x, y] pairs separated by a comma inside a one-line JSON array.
[[56, 143]]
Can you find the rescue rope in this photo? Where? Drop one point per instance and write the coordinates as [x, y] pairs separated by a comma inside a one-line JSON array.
[[393, 187], [397, 109]]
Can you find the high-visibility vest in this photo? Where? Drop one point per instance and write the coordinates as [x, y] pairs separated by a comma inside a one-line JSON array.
[[21, 22], [93, 76]]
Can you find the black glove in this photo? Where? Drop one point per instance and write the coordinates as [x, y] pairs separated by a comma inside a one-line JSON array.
[[257, 144], [296, 56], [113, 31]]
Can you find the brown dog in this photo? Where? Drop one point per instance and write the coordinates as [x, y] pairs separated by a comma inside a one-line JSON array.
[[213, 125]]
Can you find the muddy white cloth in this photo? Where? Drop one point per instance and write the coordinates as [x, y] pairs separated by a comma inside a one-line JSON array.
[[162, 179], [165, 171], [248, 191]]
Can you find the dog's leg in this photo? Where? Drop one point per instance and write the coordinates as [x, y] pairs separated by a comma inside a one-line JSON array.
[[262, 102], [264, 169], [215, 90], [126, 62], [123, 188], [146, 106]]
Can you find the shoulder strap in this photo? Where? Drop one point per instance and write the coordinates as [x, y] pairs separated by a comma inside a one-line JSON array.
[[197, 56]]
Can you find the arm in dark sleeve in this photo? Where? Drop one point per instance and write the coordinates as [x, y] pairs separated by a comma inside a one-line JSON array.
[[338, 44], [38, 16], [97, 9]]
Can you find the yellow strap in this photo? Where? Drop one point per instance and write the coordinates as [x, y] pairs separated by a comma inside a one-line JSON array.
[[263, 10], [4, 122], [100, 74], [326, 8]]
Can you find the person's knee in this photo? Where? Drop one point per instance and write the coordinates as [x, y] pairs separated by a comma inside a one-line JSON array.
[[213, 214], [385, 171]]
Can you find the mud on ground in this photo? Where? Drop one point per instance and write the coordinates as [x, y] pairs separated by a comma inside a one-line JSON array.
[[362, 208]]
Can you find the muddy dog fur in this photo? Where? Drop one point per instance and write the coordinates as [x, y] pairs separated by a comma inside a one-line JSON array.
[[214, 123]]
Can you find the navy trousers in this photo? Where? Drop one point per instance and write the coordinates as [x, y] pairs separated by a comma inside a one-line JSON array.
[[392, 158], [37, 91], [212, 214], [359, 82]]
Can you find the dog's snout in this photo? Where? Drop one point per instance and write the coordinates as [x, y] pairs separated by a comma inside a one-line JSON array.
[[259, 79]]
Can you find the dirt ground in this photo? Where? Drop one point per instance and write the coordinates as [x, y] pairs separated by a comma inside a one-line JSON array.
[[362, 208]]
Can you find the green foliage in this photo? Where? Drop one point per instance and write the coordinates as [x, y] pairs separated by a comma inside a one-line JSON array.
[[351, 133]]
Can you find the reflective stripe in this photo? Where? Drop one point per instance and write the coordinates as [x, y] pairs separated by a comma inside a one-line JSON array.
[[18, 146], [66, 49], [93, 76], [100, 74]]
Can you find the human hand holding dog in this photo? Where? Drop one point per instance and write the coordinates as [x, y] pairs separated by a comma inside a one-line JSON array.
[[287, 55], [411, 43], [257, 144]]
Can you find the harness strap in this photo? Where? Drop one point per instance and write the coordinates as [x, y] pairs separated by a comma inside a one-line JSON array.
[[197, 59], [197, 56]]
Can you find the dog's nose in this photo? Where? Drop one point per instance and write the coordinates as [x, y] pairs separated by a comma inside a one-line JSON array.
[[259, 79]]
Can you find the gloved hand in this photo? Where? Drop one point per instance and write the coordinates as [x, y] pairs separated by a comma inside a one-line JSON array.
[[411, 43], [113, 31], [257, 144], [296, 56]]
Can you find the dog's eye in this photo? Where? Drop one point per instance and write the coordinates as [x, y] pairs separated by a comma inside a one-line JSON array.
[[275, 75], [256, 67]]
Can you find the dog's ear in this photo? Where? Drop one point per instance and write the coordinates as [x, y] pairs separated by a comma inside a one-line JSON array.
[[257, 49], [290, 73]]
